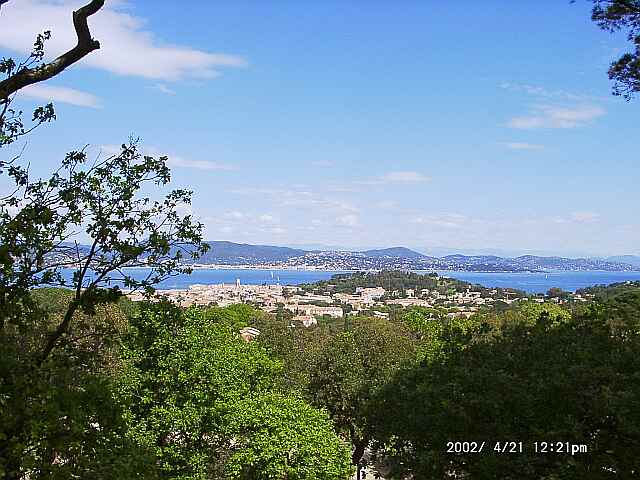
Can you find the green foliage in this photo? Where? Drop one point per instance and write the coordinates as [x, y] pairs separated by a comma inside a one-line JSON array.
[[103, 198], [553, 379], [398, 281], [11, 124], [438, 335], [559, 293], [621, 302], [184, 397], [234, 316], [60, 420], [294, 344], [615, 15], [350, 370], [602, 293], [526, 313], [126, 229], [206, 401], [532, 311], [282, 437], [58, 346], [390, 280]]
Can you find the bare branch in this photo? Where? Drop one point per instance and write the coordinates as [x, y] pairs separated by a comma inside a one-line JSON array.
[[86, 45]]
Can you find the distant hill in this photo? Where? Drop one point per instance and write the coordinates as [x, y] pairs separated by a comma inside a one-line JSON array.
[[476, 259], [229, 253], [242, 253], [633, 260], [400, 252], [561, 263], [396, 258]]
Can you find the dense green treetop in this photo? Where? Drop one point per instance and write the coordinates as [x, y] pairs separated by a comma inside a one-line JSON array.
[[210, 404], [399, 281], [283, 437], [558, 377], [615, 15], [61, 420]]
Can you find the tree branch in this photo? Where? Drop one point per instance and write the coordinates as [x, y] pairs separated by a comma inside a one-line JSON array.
[[86, 45]]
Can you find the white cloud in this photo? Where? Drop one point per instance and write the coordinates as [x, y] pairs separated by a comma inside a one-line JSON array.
[[349, 220], [235, 215], [180, 162], [61, 94], [405, 177], [298, 198], [447, 220], [341, 188], [266, 218], [161, 87], [387, 204], [174, 161], [323, 163], [317, 202], [585, 217], [522, 146], [577, 217], [10, 209], [550, 116], [272, 191], [577, 109], [397, 177], [128, 47], [185, 209], [543, 92]]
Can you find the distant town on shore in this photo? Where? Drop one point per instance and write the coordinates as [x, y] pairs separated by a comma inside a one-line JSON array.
[[361, 293], [223, 253]]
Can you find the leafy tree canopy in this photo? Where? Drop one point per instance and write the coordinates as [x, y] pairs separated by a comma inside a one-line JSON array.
[[209, 404], [573, 380], [616, 15]]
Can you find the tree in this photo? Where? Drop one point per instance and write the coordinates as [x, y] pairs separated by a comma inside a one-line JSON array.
[[437, 335], [350, 370], [555, 292], [612, 16], [20, 76], [278, 436], [570, 381], [33, 70], [209, 403], [125, 230], [56, 368], [61, 421]]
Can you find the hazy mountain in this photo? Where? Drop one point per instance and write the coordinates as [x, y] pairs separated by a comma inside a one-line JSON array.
[[561, 263], [401, 252], [242, 253], [394, 258], [534, 262], [633, 260], [440, 251], [483, 259], [399, 258]]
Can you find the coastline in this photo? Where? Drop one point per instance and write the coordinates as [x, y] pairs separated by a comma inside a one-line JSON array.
[[355, 270], [539, 282]]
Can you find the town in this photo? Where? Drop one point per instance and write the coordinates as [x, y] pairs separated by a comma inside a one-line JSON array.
[[309, 302]]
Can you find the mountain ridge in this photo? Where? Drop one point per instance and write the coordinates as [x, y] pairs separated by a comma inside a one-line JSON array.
[[226, 253], [230, 253]]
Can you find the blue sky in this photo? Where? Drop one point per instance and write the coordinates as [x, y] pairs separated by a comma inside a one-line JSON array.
[[464, 126]]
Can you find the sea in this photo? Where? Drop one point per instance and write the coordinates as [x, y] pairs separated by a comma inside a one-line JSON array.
[[538, 282]]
